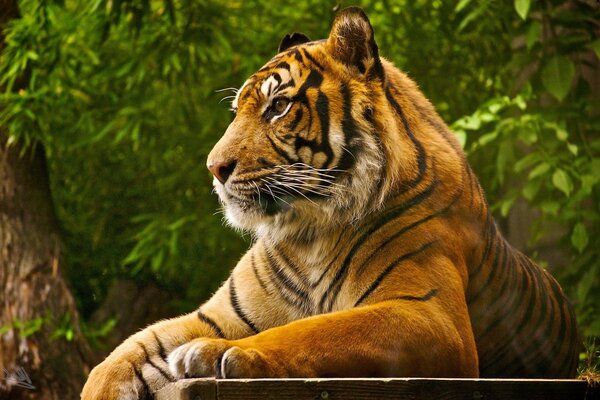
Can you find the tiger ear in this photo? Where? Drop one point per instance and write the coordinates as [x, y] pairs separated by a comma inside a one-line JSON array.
[[292, 39], [352, 42]]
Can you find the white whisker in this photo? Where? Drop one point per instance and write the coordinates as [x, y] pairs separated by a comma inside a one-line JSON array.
[[235, 90], [226, 98], [297, 191]]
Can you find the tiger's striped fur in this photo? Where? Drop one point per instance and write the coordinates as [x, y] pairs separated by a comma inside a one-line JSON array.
[[375, 252]]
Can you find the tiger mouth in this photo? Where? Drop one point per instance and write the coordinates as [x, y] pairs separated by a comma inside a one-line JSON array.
[[268, 200], [277, 191]]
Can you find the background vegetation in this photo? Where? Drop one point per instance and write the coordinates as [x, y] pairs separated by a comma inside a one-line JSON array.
[[124, 96]]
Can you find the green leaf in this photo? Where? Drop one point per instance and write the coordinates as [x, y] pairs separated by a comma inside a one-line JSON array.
[[471, 122], [533, 34], [579, 237], [507, 205], [541, 169], [526, 162], [562, 181], [595, 45], [557, 76], [520, 102], [532, 188], [522, 7], [586, 282], [550, 207], [505, 157], [528, 136], [462, 137], [573, 148], [588, 182], [488, 137], [561, 134], [461, 5]]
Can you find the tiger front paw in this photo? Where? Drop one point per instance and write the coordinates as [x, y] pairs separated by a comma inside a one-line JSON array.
[[222, 359], [132, 375], [113, 380]]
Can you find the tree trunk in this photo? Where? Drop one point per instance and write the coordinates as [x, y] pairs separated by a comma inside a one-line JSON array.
[[34, 298]]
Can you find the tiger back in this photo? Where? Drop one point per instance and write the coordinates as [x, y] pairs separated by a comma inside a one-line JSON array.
[[375, 252]]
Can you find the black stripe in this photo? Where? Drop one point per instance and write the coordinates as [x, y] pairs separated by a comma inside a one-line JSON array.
[[531, 344], [275, 281], [256, 274], [499, 251], [431, 294], [281, 152], [312, 59], [442, 129], [164, 373], [537, 356], [141, 378], [297, 55], [238, 309], [329, 265], [272, 87], [283, 65], [490, 238], [350, 131], [286, 85], [375, 284], [204, 318], [403, 230], [509, 338], [161, 349], [394, 213], [289, 263], [264, 162], [297, 118], [313, 80], [507, 305], [559, 341], [421, 156], [285, 281], [322, 108]]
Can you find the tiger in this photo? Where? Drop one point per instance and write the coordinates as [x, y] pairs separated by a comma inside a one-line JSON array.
[[375, 253]]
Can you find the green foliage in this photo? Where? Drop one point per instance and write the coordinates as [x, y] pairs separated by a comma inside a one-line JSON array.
[[64, 329], [25, 328], [124, 97]]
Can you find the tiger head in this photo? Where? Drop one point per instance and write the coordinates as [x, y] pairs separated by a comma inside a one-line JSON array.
[[307, 149]]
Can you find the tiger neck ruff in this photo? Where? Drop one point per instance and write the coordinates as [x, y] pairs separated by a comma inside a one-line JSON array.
[[375, 252]]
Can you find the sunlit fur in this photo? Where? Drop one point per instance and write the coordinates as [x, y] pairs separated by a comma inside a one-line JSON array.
[[374, 253]]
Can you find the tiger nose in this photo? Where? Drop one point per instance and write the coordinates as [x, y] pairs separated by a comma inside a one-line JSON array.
[[222, 170]]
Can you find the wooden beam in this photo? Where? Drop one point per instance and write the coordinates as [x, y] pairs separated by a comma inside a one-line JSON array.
[[375, 388], [192, 389]]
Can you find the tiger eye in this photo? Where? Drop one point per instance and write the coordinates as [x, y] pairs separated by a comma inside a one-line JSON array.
[[280, 104]]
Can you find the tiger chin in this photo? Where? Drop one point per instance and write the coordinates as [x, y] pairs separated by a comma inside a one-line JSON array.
[[374, 254]]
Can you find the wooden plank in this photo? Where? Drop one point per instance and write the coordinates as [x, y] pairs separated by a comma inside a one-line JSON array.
[[189, 389], [380, 389], [442, 389]]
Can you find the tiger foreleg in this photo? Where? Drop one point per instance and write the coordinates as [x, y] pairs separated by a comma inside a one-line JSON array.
[[386, 339], [138, 368]]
